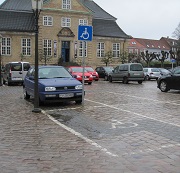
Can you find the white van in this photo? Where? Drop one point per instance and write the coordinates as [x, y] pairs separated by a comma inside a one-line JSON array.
[[14, 72]]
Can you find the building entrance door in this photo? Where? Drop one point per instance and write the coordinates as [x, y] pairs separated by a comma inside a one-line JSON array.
[[65, 51]]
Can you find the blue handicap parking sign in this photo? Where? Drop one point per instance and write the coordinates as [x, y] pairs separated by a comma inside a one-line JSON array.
[[85, 33]]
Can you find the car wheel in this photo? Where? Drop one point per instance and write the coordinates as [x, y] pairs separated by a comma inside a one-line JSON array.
[[110, 79], [26, 95], [163, 86], [4, 82], [125, 80], [140, 82], [89, 83], [9, 83], [147, 78], [78, 101], [106, 78]]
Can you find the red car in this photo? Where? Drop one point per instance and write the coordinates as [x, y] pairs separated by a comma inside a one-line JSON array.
[[77, 72], [93, 72]]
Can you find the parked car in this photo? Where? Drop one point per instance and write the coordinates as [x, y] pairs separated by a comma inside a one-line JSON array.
[[104, 71], [168, 82], [151, 73], [77, 72], [127, 72], [55, 83], [14, 72], [93, 72], [164, 71]]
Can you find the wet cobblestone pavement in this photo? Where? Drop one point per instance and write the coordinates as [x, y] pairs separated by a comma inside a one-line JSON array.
[[120, 129]]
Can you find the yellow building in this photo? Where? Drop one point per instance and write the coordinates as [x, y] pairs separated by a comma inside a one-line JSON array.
[[58, 32]]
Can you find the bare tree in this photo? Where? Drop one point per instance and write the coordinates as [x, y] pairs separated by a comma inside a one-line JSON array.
[[134, 58], [175, 56], [148, 57], [107, 59], [164, 55], [123, 57], [176, 33]]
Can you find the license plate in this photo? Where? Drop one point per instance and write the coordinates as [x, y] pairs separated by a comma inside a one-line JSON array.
[[68, 95], [17, 78], [137, 74]]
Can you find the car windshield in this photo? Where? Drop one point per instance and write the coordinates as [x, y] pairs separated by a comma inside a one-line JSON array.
[[155, 70], [53, 72], [164, 70], [89, 69], [78, 69], [108, 68]]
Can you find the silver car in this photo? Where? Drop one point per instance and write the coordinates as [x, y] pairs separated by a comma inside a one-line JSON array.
[[151, 73]]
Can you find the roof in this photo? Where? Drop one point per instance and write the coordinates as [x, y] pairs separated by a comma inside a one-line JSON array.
[[97, 11], [107, 28], [16, 21], [17, 5], [152, 44], [19, 17]]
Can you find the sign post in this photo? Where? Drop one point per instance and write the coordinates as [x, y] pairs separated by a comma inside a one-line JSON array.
[[173, 61], [85, 33]]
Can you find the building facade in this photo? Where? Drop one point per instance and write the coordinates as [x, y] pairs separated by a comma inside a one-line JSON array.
[[58, 32]]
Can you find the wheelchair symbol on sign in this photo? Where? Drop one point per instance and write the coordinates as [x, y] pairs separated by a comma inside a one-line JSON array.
[[85, 34]]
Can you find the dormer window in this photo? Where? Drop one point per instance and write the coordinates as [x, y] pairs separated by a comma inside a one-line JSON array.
[[147, 45], [152, 45], [159, 47], [66, 4], [133, 42]]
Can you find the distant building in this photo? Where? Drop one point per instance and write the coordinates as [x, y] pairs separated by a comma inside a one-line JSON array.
[[138, 45], [58, 32]]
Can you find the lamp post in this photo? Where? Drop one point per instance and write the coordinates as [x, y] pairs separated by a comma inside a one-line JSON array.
[[0, 61], [36, 6]]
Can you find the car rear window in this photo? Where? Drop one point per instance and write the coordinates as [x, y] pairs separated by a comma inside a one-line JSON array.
[[136, 67], [155, 70], [16, 67]]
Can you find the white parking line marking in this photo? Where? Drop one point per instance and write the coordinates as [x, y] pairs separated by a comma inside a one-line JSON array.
[[80, 135], [132, 113], [145, 98]]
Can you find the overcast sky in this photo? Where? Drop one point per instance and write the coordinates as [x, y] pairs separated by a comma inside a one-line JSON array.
[[150, 19]]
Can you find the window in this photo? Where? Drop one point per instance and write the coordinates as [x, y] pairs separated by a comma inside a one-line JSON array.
[[65, 22], [26, 46], [47, 21], [100, 49], [116, 49], [81, 49], [47, 46], [83, 22], [6, 46], [66, 4]]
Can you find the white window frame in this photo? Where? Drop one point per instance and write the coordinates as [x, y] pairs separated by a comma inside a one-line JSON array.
[[116, 50], [100, 49], [83, 22], [26, 46], [81, 49], [6, 46], [47, 47], [66, 4], [66, 22], [47, 21]]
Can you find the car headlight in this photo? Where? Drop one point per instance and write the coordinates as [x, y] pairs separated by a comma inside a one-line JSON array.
[[50, 89], [78, 87]]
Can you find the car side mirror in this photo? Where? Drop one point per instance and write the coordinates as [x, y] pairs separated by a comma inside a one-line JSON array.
[[74, 76], [31, 77]]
